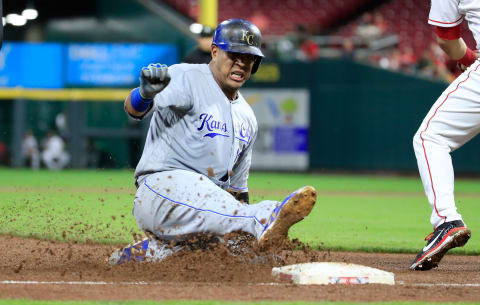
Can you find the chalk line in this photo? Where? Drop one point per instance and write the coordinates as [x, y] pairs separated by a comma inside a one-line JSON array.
[[70, 283], [100, 283]]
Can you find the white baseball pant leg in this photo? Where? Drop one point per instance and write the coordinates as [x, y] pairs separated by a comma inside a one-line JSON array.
[[452, 121], [176, 204], [55, 160]]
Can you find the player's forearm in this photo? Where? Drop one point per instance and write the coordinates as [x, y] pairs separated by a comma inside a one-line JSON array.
[[130, 109], [455, 49]]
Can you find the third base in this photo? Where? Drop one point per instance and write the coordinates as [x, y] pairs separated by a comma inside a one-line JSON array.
[[332, 273]]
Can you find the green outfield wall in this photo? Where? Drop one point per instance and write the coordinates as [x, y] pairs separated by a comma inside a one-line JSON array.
[[362, 118]]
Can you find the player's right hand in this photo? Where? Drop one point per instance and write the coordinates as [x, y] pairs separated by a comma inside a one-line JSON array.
[[153, 79]]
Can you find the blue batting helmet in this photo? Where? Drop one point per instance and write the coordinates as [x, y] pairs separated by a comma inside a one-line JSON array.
[[239, 36]]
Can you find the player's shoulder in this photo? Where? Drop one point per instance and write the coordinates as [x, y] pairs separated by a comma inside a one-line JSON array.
[[189, 69], [193, 74]]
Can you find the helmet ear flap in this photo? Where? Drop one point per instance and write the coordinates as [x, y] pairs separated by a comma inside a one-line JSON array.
[[256, 64]]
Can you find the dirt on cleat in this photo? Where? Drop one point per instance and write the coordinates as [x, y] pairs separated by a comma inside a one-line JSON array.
[[293, 210]]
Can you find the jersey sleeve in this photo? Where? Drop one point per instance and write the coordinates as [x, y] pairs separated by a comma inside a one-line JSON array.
[[445, 13], [239, 179], [178, 92]]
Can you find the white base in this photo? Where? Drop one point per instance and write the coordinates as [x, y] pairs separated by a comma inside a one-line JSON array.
[[332, 273]]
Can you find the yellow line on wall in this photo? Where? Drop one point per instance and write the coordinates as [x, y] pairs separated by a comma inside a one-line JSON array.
[[66, 95]]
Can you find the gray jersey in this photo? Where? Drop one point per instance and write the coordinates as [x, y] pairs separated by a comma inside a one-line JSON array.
[[195, 127]]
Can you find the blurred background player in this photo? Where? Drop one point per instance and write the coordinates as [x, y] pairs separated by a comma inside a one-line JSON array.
[[452, 121], [202, 52], [30, 151], [187, 171], [54, 154]]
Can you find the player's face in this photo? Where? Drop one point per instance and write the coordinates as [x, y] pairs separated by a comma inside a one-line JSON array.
[[231, 70]]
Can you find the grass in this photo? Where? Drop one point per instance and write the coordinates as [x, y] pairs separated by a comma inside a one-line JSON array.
[[355, 213], [68, 205]]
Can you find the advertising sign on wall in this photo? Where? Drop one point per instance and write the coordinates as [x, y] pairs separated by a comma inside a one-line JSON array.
[[96, 64], [55, 65], [31, 65], [283, 117]]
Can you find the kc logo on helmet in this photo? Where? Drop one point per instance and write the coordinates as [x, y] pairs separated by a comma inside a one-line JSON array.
[[246, 36]]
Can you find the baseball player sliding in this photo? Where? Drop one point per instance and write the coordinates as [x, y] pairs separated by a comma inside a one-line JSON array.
[[452, 121], [192, 176]]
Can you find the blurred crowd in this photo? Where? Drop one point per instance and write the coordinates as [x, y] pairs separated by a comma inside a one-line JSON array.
[[431, 63], [50, 153], [369, 41]]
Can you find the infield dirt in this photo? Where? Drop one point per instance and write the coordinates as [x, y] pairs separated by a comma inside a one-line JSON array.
[[218, 275]]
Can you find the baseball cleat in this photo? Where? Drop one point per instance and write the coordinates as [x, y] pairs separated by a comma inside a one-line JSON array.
[[135, 251], [148, 249], [447, 236], [293, 209]]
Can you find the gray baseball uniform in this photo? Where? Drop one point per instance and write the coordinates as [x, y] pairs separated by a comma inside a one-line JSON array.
[[198, 146]]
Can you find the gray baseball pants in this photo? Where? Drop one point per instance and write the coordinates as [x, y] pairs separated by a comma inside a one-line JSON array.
[[174, 205]]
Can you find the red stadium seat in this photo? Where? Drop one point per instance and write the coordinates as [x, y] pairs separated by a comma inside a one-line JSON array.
[[283, 15]]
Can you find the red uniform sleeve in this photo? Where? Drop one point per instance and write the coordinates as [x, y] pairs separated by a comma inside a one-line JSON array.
[[450, 33]]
